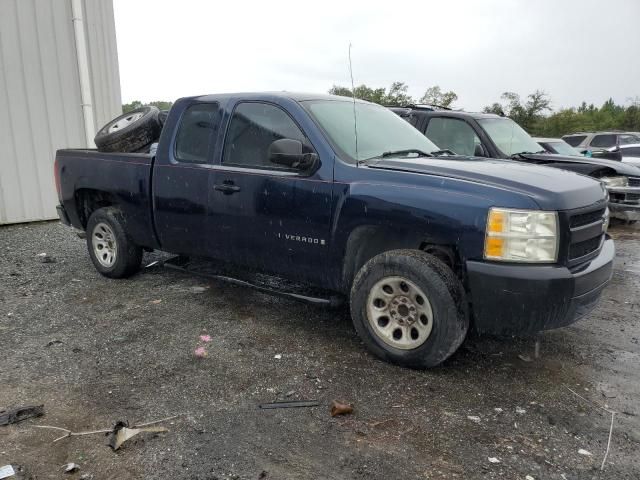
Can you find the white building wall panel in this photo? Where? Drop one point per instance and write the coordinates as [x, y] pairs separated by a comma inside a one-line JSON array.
[[40, 105]]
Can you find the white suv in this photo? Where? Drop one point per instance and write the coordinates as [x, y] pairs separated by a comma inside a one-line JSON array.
[[590, 141]]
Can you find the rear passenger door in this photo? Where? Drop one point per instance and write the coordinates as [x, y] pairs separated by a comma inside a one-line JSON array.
[[265, 215], [181, 182]]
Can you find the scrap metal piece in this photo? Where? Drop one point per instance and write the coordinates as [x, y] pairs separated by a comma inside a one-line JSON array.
[[340, 408], [19, 414], [122, 433], [7, 471], [290, 404]]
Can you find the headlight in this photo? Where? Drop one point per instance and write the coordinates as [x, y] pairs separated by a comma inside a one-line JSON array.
[[615, 181], [521, 236]]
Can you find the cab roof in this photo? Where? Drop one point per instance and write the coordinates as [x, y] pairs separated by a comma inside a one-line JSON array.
[[296, 96]]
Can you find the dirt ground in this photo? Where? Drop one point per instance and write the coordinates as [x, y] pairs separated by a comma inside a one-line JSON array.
[[95, 351]]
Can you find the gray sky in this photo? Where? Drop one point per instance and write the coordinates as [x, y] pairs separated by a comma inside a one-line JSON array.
[[573, 49]]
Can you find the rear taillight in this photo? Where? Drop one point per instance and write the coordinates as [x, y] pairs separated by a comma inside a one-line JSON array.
[[56, 176]]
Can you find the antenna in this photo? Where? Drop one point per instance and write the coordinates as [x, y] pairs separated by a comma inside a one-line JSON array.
[[353, 95]]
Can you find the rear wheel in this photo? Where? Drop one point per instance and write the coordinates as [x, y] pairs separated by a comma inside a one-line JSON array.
[[409, 308], [111, 250]]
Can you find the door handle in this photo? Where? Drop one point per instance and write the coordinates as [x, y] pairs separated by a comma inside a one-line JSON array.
[[226, 188]]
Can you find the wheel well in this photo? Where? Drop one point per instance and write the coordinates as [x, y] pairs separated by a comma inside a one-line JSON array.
[[369, 241], [88, 201]]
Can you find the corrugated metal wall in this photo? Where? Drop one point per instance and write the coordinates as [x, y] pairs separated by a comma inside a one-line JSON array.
[[40, 105]]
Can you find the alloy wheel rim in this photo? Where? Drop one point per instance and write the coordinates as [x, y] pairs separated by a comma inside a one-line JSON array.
[[104, 244], [399, 313], [124, 122]]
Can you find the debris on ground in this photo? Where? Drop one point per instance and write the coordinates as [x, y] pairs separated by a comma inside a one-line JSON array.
[[529, 477], [156, 302], [498, 410], [205, 338], [520, 410], [45, 258], [290, 404], [121, 433], [70, 467], [493, 460], [19, 414], [116, 438], [200, 352], [584, 452], [340, 408], [198, 289], [473, 418], [7, 471], [277, 356], [53, 342], [525, 358]]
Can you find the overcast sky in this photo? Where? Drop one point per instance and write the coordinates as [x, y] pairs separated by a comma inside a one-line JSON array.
[[573, 49]]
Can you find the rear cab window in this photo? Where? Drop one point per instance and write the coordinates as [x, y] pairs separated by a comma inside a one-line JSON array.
[[197, 133], [574, 140]]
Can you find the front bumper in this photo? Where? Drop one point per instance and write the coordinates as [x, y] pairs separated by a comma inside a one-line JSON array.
[[624, 202], [525, 299]]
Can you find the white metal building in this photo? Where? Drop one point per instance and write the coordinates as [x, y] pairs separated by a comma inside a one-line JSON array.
[[59, 82]]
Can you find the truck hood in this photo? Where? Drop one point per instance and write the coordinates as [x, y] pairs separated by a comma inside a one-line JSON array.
[[584, 165], [550, 188]]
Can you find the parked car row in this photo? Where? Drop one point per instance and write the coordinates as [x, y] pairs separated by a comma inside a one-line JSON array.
[[495, 136], [345, 196]]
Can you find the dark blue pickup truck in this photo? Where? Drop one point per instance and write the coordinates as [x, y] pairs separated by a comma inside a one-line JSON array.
[[423, 244]]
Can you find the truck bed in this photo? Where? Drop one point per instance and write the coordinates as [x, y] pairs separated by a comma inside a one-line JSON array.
[[88, 176]]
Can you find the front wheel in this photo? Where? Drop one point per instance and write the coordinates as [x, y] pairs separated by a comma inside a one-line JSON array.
[[409, 308], [111, 250]]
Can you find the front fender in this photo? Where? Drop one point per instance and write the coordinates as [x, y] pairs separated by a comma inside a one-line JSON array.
[[372, 218]]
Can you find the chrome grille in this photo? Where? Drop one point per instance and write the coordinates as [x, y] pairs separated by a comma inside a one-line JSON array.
[[586, 233], [634, 181]]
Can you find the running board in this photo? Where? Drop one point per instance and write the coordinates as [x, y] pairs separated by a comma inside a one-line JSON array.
[[270, 284]]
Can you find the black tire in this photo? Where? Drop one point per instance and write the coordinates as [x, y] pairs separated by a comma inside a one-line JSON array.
[[162, 117], [128, 256], [444, 292], [131, 136]]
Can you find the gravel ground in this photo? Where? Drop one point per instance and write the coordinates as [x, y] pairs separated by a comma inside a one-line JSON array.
[[95, 351]]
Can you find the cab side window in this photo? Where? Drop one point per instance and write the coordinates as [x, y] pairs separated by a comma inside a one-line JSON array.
[[253, 127], [197, 133], [604, 141], [453, 134], [574, 140]]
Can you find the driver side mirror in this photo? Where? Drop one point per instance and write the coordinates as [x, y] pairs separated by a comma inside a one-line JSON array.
[[479, 151], [288, 152]]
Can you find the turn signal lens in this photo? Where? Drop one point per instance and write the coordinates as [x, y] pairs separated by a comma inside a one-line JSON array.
[[521, 236]]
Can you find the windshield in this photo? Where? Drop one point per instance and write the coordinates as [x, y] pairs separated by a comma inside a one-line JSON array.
[[628, 138], [563, 148], [379, 129], [509, 137]]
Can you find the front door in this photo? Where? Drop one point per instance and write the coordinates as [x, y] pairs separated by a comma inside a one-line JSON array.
[[267, 216], [181, 183]]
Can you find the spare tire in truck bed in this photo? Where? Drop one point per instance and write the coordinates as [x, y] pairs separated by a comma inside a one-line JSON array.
[[130, 132]]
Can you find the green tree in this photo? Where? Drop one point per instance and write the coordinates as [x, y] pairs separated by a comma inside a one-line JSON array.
[[161, 104], [396, 96], [435, 96], [528, 114]]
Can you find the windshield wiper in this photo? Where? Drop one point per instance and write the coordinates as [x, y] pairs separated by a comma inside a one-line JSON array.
[[446, 151], [395, 153], [519, 154]]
